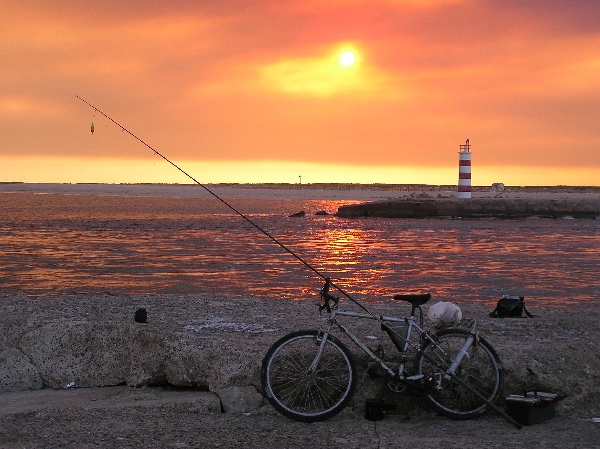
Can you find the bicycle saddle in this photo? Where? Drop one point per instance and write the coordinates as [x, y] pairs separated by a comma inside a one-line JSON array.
[[416, 299]]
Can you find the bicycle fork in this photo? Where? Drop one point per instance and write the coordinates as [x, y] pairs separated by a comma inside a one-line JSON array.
[[435, 380], [462, 353], [322, 338]]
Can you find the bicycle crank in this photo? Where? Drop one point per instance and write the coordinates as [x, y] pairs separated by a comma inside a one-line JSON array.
[[395, 385]]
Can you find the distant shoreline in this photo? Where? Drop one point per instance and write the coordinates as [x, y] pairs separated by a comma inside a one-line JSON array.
[[322, 185], [360, 193], [318, 191]]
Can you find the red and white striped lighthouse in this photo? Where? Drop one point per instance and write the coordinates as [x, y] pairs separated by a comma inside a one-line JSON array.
[[464, 171]]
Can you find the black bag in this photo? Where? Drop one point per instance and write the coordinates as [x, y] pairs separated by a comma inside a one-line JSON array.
[[510, 306]]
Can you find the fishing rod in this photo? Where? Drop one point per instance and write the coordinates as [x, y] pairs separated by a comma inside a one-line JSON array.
[[245, 217], [324, 291]]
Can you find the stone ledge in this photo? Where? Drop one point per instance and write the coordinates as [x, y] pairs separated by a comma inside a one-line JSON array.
[[217, 344], [108, 398], [473, 208]]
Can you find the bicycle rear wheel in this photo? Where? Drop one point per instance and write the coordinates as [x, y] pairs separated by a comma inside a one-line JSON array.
[[481, 369], [300, 394]]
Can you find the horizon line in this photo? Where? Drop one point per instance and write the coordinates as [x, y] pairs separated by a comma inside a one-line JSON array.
[[313, 184]]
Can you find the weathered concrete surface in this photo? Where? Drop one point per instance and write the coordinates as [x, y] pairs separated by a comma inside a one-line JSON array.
[[17, 372], [474, 208], [66, 351], [109, 398], [123, 417], [217, 344]]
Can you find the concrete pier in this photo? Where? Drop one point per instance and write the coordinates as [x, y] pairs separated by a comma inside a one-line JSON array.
[[474, 208]]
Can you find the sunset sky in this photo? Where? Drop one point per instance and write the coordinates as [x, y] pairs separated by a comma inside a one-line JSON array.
[[258, 91]]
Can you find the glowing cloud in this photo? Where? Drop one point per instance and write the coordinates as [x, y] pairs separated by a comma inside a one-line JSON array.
[[355, 83], [337, 72]]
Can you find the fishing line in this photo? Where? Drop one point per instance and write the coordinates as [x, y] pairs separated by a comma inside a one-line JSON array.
[[246, 218], [305, 263]]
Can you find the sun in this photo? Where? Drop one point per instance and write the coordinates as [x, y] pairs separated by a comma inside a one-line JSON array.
[[347, 58]]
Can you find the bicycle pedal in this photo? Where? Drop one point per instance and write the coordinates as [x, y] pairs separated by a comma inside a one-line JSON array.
[[396, 385]]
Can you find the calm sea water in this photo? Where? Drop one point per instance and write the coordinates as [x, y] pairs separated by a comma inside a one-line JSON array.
[[55, 244]]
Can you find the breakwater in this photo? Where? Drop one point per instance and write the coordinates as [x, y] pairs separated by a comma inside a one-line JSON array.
[[217, 344], [474, 208]]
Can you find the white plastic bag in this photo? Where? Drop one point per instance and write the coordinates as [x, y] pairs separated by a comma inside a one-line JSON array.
[[444, 314]]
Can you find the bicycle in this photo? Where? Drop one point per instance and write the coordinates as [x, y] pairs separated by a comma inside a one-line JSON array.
[[310, 375]]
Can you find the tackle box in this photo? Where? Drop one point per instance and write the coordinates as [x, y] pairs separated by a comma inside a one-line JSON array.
[[531, 407]]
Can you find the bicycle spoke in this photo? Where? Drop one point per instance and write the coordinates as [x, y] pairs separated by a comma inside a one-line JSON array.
[[480, 370], [304, 395]]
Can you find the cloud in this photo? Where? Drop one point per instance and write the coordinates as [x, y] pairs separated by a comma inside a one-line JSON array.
[[324, 76], [255, 80]]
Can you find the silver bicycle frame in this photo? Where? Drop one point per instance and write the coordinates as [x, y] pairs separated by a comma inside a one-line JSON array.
[[410, 322]]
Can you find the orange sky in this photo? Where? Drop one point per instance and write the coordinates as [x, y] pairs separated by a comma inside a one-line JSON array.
[[254, 91]]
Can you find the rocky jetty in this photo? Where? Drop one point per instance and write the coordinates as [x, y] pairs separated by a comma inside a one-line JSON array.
[[216, 344], [474, 208]]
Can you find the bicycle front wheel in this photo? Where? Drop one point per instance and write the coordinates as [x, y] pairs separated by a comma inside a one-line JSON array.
[[480, 369], [296, 391]]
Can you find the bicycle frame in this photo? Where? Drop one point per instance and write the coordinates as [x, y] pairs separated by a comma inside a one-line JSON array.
[[411, 323], [450, 372]]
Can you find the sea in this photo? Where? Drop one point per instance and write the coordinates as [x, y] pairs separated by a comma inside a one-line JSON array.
[[87, 243]]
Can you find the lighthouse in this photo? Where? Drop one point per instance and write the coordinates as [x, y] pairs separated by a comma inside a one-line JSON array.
[[464, 171]]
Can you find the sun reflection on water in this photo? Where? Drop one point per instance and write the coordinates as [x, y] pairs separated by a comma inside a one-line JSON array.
[[137, 245]]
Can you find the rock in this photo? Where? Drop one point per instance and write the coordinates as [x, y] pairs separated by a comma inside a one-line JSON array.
[[17, 373], [236, 366], [322, 212], [89, 354], [145, 356], [189, 363], [240, 399], [299, 214]]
